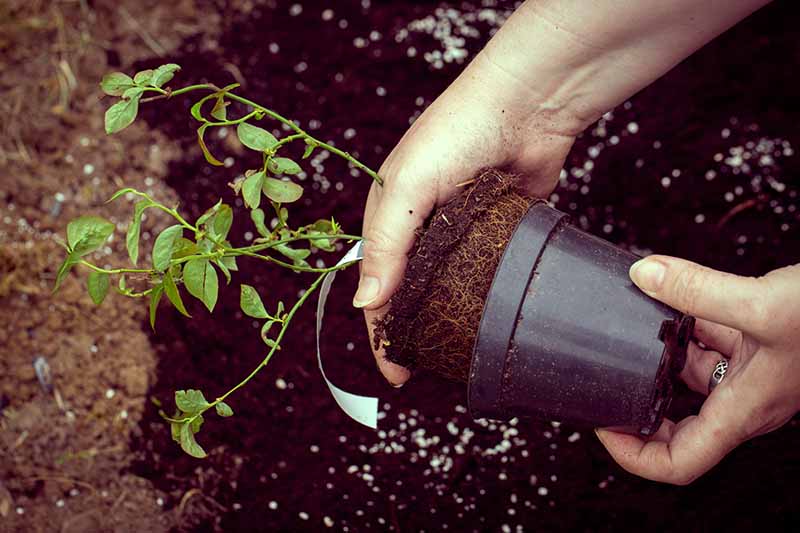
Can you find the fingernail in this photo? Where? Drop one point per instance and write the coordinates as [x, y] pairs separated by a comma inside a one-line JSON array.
[[648, 274], [367, 292], [396, 385]]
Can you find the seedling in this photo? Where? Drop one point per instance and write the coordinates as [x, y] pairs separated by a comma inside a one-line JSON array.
[[188, 257]]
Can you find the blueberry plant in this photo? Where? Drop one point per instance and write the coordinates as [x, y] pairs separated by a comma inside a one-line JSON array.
[[188, 256]]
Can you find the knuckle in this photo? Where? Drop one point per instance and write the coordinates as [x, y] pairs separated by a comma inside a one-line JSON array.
[[758, 310], [378, 242], [687, 287]]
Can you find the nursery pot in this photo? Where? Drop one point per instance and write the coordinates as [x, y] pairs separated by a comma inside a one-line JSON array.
[[565, 335]]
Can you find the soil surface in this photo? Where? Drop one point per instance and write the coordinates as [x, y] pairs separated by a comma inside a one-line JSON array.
[[701, 165]]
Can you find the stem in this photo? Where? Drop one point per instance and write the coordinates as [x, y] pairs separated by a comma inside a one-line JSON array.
[[174, 213], [115, 271], [284, 327], [189, 88], [235, 121], [298, 130], [313, 287], [272, 244], [278, 262]]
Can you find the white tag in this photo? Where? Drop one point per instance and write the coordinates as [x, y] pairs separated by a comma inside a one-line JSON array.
[[362, 409]]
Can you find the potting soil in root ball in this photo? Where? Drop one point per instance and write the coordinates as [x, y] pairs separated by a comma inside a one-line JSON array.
[[434, 315]]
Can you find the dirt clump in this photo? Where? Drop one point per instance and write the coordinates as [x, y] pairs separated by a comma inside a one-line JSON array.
[[435, 314]]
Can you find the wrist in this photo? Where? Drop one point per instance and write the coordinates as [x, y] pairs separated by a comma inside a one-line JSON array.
[[563, 65]]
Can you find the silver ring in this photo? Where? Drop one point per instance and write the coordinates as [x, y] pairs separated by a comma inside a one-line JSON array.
[[718, 374]]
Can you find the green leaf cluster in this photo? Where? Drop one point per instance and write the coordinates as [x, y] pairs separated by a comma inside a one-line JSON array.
[[122, 113], [190, 255], [188, 420]]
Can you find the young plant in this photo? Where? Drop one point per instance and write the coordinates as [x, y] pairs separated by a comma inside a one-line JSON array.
[[189, 255]]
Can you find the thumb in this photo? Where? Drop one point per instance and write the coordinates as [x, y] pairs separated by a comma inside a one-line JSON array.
[[735, 301], [392, 216]]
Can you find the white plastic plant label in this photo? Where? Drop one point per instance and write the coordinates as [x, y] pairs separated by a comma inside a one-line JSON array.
[[363, 409]]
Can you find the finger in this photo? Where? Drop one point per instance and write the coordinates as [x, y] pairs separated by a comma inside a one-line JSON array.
[[391, 219], [699, 366], [685, 450], [395, 374], [727, 299], [716, 336]]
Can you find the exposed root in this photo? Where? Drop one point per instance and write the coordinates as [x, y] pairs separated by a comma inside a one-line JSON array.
[[435, 314]]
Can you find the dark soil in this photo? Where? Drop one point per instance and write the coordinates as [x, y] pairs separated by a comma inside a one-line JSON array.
[[699, 165], [434, 315]]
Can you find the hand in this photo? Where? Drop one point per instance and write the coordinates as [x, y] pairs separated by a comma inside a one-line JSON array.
[[469, 127], [552, 69], [755, 323]]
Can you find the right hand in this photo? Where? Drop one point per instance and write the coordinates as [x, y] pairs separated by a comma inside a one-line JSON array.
[[477, 122]]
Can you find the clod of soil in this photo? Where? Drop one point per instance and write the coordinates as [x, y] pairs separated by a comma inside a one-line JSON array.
[[435, 314]]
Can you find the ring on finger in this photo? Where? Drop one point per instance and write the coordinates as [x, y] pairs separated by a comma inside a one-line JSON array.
[[718, 374]]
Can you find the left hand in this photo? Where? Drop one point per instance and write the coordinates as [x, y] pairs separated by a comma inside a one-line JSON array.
[[753, 322]]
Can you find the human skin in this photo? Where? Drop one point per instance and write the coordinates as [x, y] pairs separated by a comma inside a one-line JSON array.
[[552, 70], [755, 324]]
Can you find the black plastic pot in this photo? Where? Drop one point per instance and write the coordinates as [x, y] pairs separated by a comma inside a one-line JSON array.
[[565, 335]]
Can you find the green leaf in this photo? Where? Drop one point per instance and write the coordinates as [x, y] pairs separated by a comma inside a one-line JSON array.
[[120, 192], [272, 343], [220, 223], [163, 74], [251, 303], [219, 111], [284, 165], [322, 244], [121, 115], [265, 330], [201, 281], [155, 297], [71, 260], [224, 269], [164, 246], [223, 409], [230, 262], [191, 401], [197, 107], [255, 138], [184, 248], [133, 92], [175, 430], [88, 233], [134, 230], [143, 77], [196, 424], [210, 158], [297, 256], [174, 294], [257, 215], [189, 444], [115, 83], [283, 214], [251, 189], [310, 146], [210, 212], [97, 283], [280, 191]]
